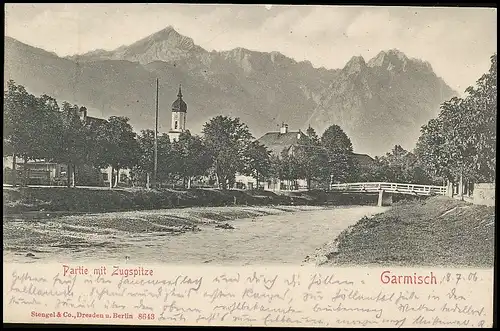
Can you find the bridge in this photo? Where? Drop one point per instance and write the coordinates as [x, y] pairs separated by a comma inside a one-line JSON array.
[[385, 190]]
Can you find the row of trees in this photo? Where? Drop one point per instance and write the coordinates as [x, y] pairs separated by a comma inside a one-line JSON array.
[[461, 142], [227, 148], [37, 128], [325, 160], [400, 166]]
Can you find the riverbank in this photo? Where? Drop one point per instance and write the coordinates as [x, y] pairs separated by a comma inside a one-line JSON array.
[[437, 231], [25, 200], [234, 235]]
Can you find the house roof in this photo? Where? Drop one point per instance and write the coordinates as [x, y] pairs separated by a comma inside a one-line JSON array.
[[95, 121], [363, 159], [89, 120], [31, 162], [277, 141]]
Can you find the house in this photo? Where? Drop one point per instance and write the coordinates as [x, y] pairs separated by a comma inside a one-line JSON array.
[[55, 174], [38, 172], [43, 172], [102, 177], [287, 141], [363, 160], [277, 143]]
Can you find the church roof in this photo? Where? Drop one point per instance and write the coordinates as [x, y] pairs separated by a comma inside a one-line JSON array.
[[179, 105]]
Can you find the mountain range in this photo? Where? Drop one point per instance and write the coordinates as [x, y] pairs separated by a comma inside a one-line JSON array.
[[378, 103]]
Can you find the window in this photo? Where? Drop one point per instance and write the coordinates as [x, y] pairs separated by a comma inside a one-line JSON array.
[[105, 176], [176, 125]]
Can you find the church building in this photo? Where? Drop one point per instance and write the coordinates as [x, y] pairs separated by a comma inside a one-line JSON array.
[[179, 111]]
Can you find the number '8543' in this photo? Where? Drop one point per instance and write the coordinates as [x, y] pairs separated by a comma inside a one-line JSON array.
[[145, 316]]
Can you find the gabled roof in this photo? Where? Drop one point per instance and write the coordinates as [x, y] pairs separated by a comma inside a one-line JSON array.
[[89, 120], [363, 159], [95, 121], [277, 141]]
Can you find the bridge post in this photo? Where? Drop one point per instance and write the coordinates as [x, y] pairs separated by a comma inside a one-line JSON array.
[[449, 188], [461, 187], [384, 198]]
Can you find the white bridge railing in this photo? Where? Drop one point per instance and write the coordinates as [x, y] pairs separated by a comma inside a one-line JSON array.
[[390, 187]]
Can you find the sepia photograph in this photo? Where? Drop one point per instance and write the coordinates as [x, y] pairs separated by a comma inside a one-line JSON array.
[[249, 165], [249, 134]]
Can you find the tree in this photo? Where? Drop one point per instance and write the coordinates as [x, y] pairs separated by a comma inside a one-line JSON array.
[[289, 167], [21, 125], [72, 147], [96, 141], [461, 141], [145, 157], [311, 158], [166, 158], [378, 171], [338, 149], [37, 129], [402, 166], [227, 141], [145, 162], [120, 146], [50, 128], [190, 156], [482, 104], [311, 133], [430, 150], [257, 162], [275, 167]]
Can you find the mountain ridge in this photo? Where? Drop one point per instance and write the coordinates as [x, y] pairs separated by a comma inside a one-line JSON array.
[[262, 88]]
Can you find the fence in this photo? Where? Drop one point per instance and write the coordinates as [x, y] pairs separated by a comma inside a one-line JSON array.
[[390, 187], [32, 177]]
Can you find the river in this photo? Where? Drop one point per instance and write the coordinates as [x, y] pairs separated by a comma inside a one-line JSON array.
[[262, 236]]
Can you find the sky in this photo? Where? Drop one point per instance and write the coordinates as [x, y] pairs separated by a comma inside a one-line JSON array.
[[457, 42]]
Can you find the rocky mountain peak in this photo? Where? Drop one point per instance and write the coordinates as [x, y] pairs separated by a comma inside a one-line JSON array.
[[165, 45], [355, 65], [377, 105], [397, 53], [167, 37], [391, 60]]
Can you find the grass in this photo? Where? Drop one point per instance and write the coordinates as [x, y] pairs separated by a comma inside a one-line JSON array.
[[87, 200], [437, 231]]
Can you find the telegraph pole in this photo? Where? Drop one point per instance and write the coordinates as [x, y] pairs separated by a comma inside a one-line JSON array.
[[155, 169]]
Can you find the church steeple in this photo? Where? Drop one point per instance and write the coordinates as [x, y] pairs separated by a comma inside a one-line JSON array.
[[179, 95], [179, 109], [179, 105]]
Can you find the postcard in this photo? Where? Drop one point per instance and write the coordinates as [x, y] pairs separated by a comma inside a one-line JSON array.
[[249, 165]]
